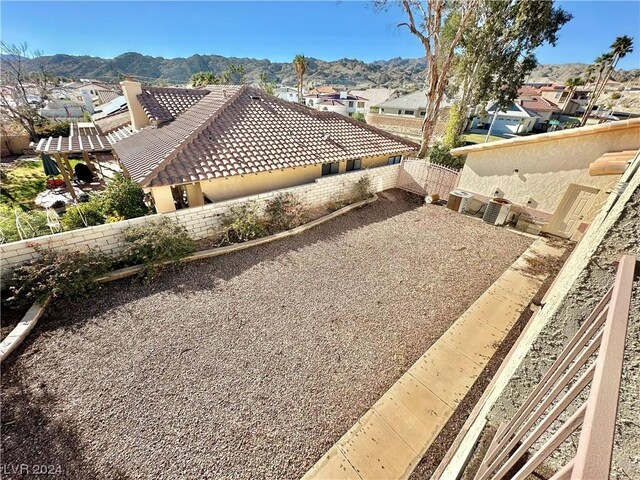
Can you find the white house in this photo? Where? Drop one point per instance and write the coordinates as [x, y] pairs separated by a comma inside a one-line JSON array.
[[515, 119], [290, 94], [342, 102]]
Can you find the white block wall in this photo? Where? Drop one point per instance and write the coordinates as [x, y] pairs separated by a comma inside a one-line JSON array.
[[200, 222]]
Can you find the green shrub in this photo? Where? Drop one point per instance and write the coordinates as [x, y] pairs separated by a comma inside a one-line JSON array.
[[362, 189], [241, 224], [441, 155], [359, 117], [16, 224], [284, 212], [615, 95], [66, 274], [53, 129], [84, 214], [156, 243], [123, 199]]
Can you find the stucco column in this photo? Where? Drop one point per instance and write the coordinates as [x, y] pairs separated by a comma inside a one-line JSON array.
[[163, 199], [194, 195], [131, 90]]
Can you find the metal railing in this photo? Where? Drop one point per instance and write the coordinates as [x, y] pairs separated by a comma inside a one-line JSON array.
[[556, 408]]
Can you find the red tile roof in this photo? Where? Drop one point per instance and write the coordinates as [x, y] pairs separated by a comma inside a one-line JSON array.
[[528, 90], [248, 132]]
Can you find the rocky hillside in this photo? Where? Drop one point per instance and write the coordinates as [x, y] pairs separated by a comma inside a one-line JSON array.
[[396, 72]]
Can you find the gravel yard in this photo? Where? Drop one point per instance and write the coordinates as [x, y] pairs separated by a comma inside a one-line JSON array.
[[249, 365]]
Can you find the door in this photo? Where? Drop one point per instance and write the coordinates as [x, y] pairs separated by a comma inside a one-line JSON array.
[[572, 211]]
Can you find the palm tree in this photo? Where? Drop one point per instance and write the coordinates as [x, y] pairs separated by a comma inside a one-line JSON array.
[[606, 65], [573, 83], [300, 66]]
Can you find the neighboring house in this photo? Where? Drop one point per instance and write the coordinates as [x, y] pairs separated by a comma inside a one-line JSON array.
[[412, 105], [374, 96], [561, 178], [290, 94], [227, 141], [323, 89], [559, 94], [341, 102], [404, 115], [540, 106], [515, 119], [62, 109]]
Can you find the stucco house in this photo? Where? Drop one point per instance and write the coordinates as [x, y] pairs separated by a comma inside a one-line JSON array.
[[375, 96], [513, 120], [405, 115], [560, 178], [559, 94], [343, 103], [195, 146], [290, 94], [542, 107]]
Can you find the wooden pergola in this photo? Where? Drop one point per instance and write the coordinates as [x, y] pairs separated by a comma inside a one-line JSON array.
[[60, 148]]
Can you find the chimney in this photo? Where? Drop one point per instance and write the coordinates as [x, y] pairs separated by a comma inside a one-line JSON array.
[[131, 89], [88, 103], [343, 95]]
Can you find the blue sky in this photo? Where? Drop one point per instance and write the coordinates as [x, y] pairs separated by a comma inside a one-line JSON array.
[[276, 30]]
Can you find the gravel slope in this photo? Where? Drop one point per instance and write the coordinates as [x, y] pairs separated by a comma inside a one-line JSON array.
[[249, 365]]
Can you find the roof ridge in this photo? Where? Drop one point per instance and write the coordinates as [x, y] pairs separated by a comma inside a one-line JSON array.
[[193, 135]]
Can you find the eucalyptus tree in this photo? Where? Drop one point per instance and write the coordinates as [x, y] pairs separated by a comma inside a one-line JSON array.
[[497, 51], [432, 23]]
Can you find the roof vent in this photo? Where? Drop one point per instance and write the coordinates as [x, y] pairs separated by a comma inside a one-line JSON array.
[[255, 97], [326, 136]]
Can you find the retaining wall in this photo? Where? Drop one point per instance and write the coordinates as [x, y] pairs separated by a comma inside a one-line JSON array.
[[202, 221]]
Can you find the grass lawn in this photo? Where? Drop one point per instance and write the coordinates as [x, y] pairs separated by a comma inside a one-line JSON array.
[[479, 138], [23, 182]]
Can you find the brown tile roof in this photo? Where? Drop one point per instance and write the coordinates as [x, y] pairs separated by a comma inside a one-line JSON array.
[[163, 105], [107, 96], [246, 133], [528, 90], [113, 122], [539, 104]]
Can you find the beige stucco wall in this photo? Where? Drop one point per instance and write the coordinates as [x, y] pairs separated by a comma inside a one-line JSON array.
[[545, 169], [227, 188]]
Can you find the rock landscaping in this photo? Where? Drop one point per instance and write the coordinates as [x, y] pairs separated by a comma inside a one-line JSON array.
[[248, 365]]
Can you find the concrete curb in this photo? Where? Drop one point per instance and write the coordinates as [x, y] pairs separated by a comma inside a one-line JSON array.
[[215, 252], [20, 332]]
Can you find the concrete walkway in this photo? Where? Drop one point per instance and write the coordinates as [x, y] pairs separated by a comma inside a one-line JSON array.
[[391, 438]]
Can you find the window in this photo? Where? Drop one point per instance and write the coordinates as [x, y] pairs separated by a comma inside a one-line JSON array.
[[394, 160], [360, 104], [409, 112], [330, 168], [382, 110], [354, 165], [350, 104], [423, 113]]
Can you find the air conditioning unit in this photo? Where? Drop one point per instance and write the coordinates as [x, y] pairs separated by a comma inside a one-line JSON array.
[[459, 200], [497, 211]]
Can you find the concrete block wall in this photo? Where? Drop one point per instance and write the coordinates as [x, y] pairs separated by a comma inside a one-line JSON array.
[[200, 222]]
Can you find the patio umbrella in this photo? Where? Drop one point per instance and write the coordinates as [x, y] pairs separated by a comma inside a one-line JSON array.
[[50, 167]]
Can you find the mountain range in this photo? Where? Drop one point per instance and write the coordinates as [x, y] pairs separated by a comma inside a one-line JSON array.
[[403, 73]]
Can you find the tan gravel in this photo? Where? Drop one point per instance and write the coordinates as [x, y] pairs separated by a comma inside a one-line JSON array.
[[249, 365]]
